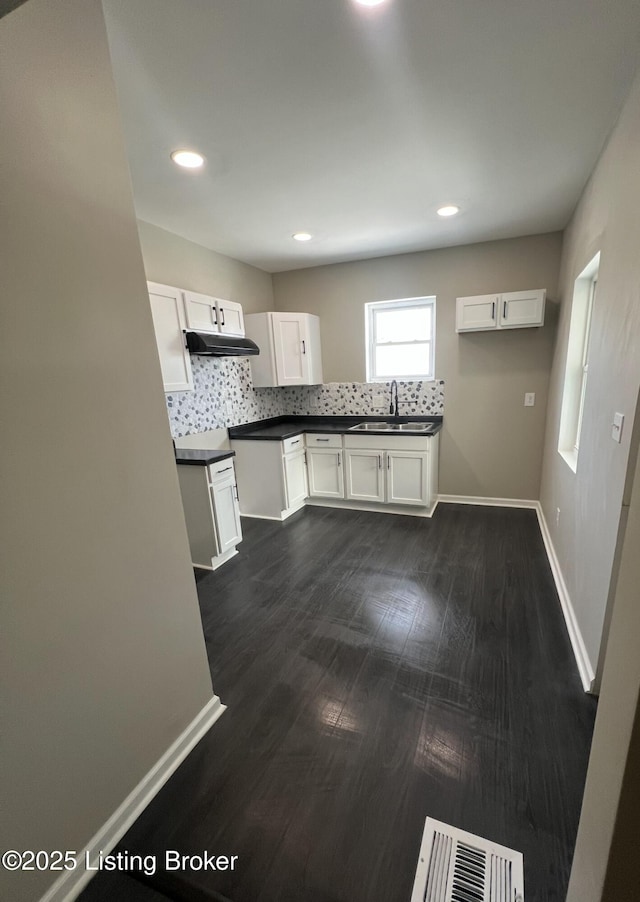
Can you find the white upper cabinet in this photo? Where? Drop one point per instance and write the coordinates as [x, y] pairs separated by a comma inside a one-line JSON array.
[[290, 352], [476, 313], [509, 310], [200, 312], [204, 313], [519, 309], [230, 318], [169, 324]]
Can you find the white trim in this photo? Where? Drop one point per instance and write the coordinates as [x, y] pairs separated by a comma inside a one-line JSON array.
[[585, 668], [261, 517], [372, 507], [488, 502], [68, 885], [219, 560]]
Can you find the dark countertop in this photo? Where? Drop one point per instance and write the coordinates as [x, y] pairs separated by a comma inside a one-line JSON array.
[[279, 428], [195, 457]]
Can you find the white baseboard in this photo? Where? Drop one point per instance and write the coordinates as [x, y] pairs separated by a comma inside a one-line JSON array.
[[343, 504], [488, 502], [585, 668], [70, 883], [581, 655]]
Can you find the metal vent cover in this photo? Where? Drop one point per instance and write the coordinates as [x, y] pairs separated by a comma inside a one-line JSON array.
[[455, 866]]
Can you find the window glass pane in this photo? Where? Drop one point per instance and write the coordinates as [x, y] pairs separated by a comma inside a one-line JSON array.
[[402, 360], [408, 324]]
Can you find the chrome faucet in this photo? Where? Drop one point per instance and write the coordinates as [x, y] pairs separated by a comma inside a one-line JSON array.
[[393, 407]]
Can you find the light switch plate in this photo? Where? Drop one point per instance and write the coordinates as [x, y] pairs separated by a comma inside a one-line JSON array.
[[616, 428], [530, 399]]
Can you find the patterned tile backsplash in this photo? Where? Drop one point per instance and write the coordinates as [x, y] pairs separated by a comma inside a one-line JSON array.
[[224, 396]]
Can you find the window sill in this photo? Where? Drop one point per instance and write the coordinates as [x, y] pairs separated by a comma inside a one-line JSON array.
[[570, 458]]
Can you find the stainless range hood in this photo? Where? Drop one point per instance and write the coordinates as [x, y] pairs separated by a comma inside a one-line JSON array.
[[209, 345]]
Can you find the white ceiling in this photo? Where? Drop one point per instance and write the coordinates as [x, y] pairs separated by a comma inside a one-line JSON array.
[[356, 124]]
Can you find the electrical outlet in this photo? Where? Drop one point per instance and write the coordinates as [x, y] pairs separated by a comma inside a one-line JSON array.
[[228, 407], [557, 516], [530, 399]]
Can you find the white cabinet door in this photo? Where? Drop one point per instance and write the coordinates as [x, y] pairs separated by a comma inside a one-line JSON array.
[[290, 346], [200, 311], [364, 475], [313, 349], [169, 325], [408, 478], [325, 471], [477, 313], [224, 495], [230, 318], [295, 478], [519, 309]]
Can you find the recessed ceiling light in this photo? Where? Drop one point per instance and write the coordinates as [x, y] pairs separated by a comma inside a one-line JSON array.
[[449, 210], [188, 159], [369, 2], [302, 236]]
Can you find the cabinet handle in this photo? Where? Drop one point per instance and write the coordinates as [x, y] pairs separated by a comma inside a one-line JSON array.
[[305, 458], [297, 442], [304, 347], [321, 440], [223, 471], [379, 461], [339, 459], [388, 461], [493, 310], [222, 315], [504, 310], [215, 316], [236, 492]]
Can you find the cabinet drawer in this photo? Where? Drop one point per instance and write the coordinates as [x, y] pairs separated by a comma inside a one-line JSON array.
[[295, 443], [323, 441], [222, 470], [388, 443]]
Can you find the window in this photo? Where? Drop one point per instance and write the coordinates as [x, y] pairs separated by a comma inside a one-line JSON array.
[[577, 367], [400, 339]]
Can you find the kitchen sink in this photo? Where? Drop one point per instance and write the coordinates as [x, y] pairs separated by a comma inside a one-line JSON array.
[[393, 427], [369, 427]]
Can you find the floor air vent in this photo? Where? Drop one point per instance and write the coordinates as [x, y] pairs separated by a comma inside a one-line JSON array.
[[455, 866]]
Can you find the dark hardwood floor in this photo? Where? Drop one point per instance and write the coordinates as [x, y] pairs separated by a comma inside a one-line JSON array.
[[378, 669]]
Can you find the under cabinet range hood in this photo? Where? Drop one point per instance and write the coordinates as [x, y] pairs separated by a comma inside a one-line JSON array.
[[209, 345]]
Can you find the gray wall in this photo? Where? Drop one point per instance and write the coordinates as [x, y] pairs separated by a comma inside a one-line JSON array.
[[105, 663], [590, 501], [606, 852], [172, 260], [491, 444]]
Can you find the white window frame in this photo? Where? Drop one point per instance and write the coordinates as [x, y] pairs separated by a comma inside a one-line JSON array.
[[577, 364], [585, 359], [370, 311]]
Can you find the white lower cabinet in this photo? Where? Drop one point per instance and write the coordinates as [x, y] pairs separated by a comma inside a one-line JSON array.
[[391, 477], [295, 478], [394, 470], [377, 472], [408, 478], [211, 512], [326, 473], [365, 475], [272, 477], [224, 495]]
